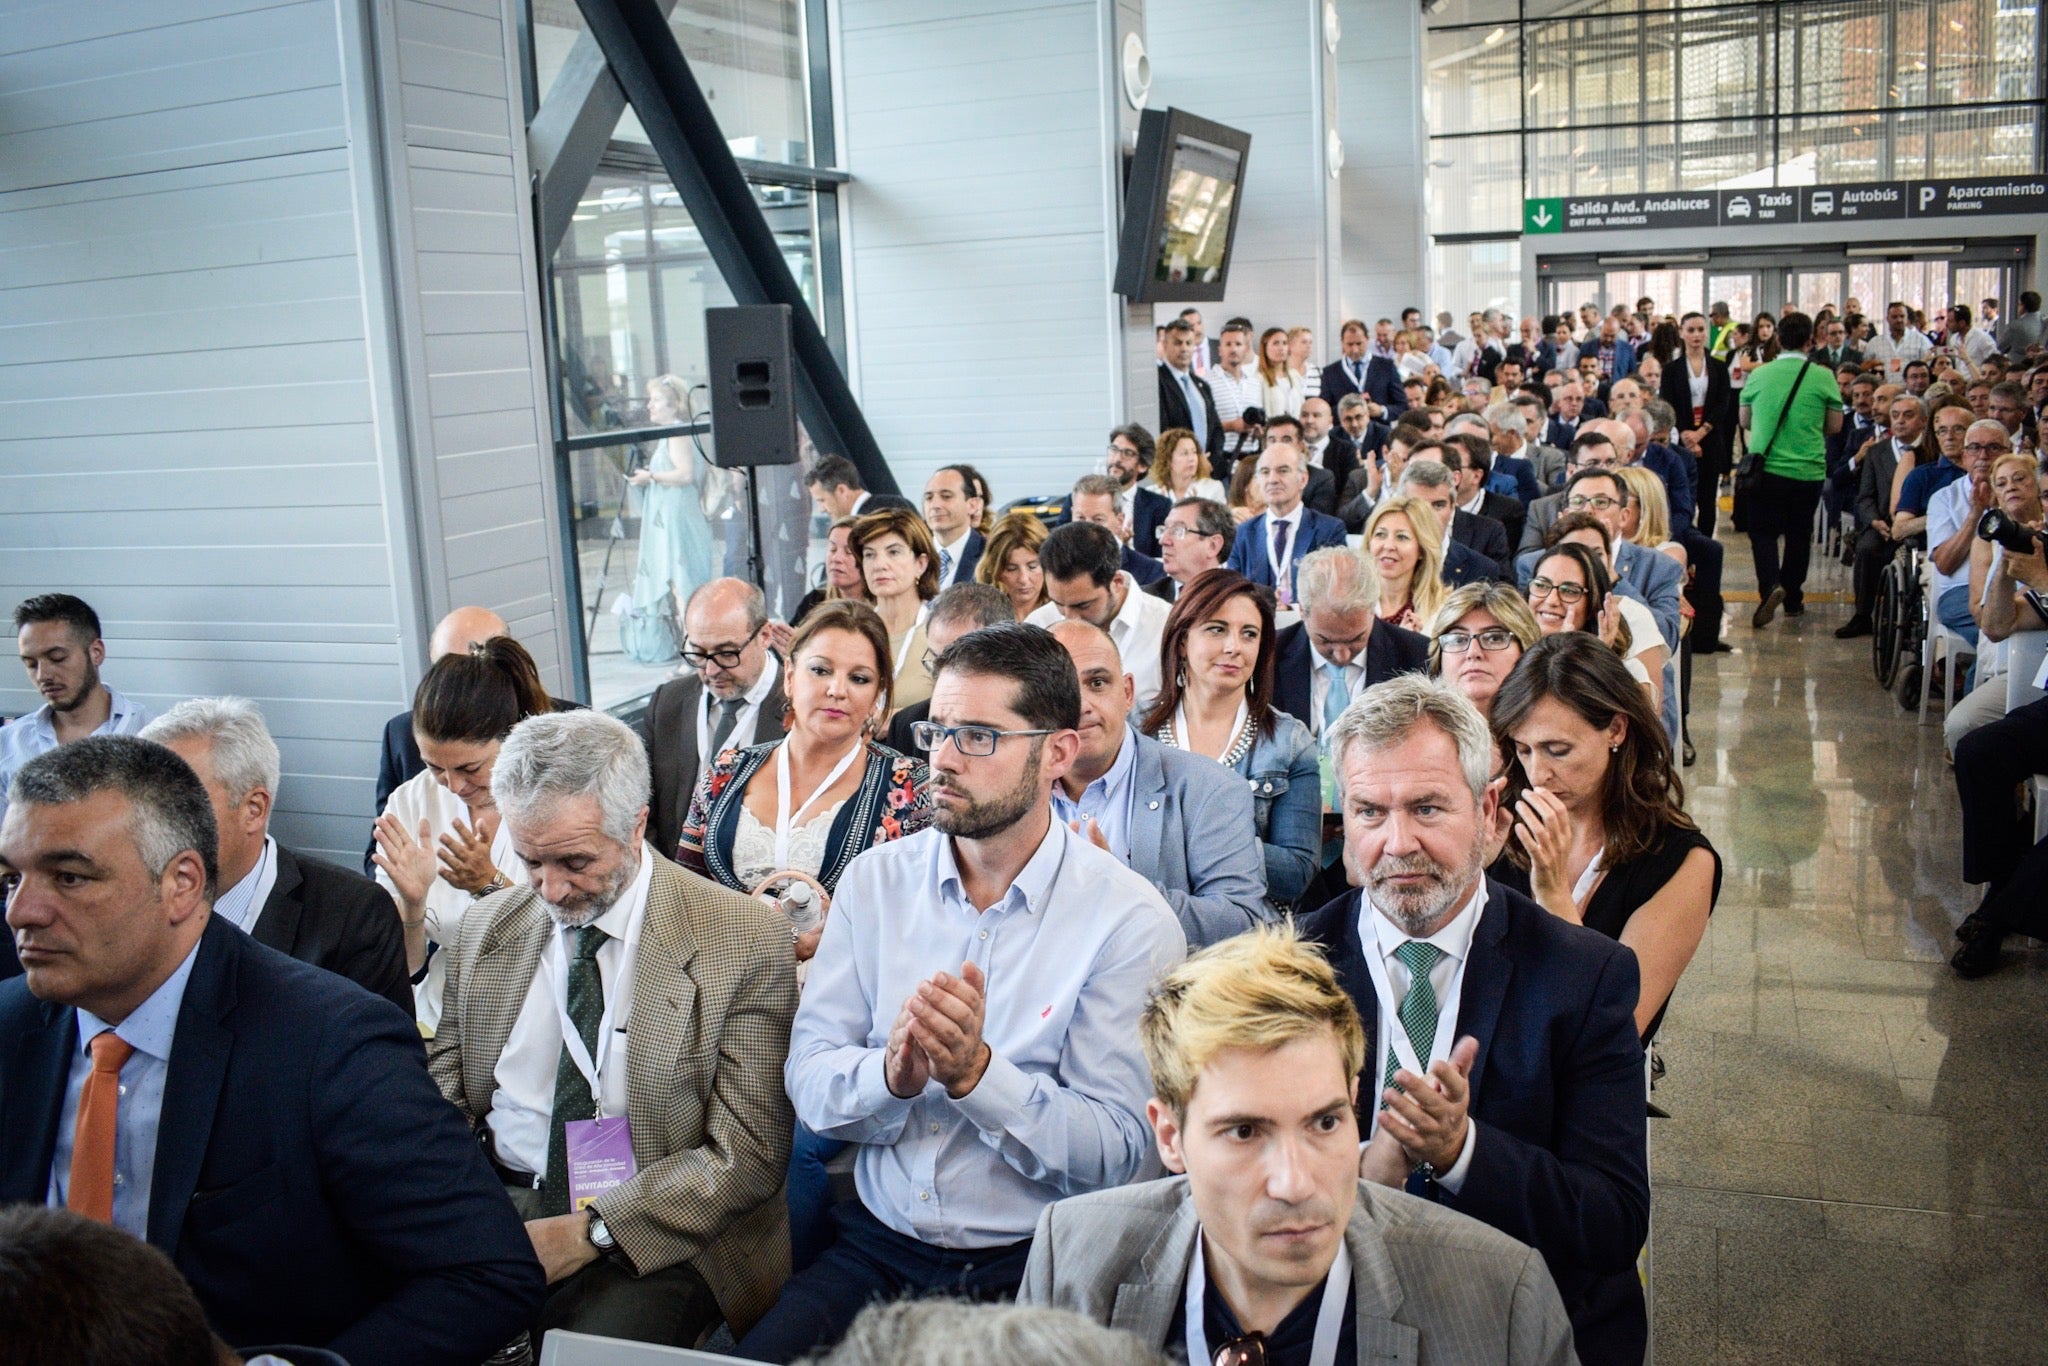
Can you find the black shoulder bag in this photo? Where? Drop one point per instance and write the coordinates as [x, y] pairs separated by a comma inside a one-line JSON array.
[[1749, 475]]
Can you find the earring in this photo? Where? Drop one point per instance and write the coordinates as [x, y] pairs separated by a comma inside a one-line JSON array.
[[1614, 749]]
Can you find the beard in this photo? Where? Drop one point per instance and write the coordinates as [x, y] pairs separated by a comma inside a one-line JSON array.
[[585, 907], [75, 699], [980, 820], [1418, 911]]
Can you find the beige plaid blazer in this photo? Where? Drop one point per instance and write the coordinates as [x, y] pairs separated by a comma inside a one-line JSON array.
[[714, 990]]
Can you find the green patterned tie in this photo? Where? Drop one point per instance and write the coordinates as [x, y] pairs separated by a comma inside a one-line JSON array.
[[1418, 1007], [572, 1091]]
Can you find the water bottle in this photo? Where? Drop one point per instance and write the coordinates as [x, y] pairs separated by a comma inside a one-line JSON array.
[[800, 904]]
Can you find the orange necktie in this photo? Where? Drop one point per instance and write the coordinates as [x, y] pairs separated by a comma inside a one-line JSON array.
[[91, 1192]]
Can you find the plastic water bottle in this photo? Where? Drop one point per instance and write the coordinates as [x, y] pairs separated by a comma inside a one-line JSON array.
[[800, 904]]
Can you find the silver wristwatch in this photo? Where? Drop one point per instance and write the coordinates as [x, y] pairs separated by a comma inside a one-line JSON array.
[[600, 1236]]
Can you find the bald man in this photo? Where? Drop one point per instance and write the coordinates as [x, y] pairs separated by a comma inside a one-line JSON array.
[[454, 633]]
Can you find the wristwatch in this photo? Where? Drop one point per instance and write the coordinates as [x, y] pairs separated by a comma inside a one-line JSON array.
[[600, 1236]]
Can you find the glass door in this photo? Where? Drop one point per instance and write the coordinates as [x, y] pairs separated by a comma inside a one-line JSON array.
[[1737, 289], [1567, 294], [1809, 291]]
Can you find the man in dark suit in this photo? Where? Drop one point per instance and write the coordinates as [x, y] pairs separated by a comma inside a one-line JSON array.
[[1469, 458], [962, 608], [1270, 546], [1196, 539], [1327, 449], [1339, 648], [1425, 479], [954, 500], [837, 491], [1097, 498], [312, 911], [1184, 396], [735, 699], [1834, 350], [1367, 436], [1525, 1109], [268, 1126], [1145, 509], [1359, 373]]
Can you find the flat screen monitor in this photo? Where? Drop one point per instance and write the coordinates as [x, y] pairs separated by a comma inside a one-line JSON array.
[[1180, 209]]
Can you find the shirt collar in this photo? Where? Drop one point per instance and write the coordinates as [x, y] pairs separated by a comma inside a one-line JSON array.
[[1119, 775], [955, 545], [1178, 373], [765, 684], [1478, 501], [151, 1026], [235, 904], [1318, 664], [1454, 939], [1127, 616], [1293, 519], [44, 718], [1028, 890]]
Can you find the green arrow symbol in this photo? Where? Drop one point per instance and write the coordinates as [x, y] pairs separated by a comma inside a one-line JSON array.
[[1543, 215], [1541, 218]]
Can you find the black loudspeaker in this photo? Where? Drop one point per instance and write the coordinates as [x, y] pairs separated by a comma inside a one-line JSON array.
[[753, 386]]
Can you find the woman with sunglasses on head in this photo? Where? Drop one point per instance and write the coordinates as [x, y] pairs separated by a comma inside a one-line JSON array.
[[1600, 827], [1216, 660], [901, 569]]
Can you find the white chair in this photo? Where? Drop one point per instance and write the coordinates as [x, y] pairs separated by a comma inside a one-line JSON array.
[[1938, 643], [582, 1349], [2024, 651]]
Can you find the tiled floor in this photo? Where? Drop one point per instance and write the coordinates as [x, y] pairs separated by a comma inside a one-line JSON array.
[[1856, 1164]]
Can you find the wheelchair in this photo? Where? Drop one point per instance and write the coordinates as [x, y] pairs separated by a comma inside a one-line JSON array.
[[1899, 622]]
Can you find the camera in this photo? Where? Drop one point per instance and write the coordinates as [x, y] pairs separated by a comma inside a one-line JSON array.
[[1995, 526], [1254, 417]]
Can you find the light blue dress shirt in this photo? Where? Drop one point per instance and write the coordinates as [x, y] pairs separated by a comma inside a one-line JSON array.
[[1106, 801], [149, 1029], [1069, 953], [240, 904], [33, 733]]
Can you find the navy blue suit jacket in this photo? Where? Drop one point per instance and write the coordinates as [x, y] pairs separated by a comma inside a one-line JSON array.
[[310, 1182], [1148, 513], [1389, 650], [1463, 565], [1143, 568], [1514, 477], [1558, 1099], [1680, 473], [970, 557], [1248, 552], [1382, 385]]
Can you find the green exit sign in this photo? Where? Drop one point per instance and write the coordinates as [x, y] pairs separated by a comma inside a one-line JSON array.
[[1542, 215]]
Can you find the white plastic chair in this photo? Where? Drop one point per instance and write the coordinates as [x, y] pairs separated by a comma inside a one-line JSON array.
[[2024, 651], [1938, 643], [582, 1349]]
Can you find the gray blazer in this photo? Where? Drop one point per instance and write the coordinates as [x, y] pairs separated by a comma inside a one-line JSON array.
[[1430, 1285], [1189, 820], [1543, 515]]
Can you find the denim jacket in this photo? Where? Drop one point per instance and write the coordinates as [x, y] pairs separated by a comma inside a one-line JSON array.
[[1287, 802]]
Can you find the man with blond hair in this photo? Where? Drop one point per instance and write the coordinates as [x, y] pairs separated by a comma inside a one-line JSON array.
[[1268, 1231]]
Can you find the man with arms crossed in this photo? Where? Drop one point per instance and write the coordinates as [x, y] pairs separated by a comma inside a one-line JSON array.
[[1269, 1231], [970, 1019]]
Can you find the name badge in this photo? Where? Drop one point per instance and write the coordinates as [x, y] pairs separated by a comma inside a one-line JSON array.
[[600, 1157]]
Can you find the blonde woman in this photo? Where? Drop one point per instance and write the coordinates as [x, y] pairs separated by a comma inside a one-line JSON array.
[[1405, 545], [1282, 387], [1177, 465], [1646, 521], [1011, 562]]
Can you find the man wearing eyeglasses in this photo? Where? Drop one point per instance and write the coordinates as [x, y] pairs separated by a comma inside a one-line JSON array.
[[1952, 514], [970, 1021], [732, 698], [1195, 539]]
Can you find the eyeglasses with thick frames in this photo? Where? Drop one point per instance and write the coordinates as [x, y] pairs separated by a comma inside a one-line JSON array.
[[725, 656], [1599, 502], [1492, 638], [976, 742], [1567, 592]]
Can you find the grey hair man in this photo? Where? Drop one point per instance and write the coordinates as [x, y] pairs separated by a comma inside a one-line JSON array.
[[655, 1211], [954, 1333], [1431, 482], [962, 608], [732, 697], [315, 912], [1339, 648], [1480, 1124], [1514, 452], [1195, 540]]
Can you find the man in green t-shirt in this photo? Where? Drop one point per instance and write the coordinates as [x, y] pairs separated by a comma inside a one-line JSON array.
[[1789, 409]]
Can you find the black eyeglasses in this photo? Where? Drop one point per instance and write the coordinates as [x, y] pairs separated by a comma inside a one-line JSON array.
[[976, 742], [1492, 638], [725, 656], [1568, 592]]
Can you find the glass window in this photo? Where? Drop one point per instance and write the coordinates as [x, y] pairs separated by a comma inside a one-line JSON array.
[[1464, 276], [1475, 184], [1473, 85], [1586, 161]]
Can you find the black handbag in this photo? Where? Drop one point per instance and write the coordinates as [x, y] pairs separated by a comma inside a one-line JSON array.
[[1749, 475]]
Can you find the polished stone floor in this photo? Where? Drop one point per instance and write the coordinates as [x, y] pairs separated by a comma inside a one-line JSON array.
[[1856, 1164]]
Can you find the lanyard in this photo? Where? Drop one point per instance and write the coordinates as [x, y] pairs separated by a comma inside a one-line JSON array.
[[784, 817], [1393, 1032], [1329, 1317], [572, 1038], [1583, 888], [903, 650], [1281, 584]]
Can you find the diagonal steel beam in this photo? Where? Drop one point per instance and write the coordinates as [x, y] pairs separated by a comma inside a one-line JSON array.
[[651, 70]]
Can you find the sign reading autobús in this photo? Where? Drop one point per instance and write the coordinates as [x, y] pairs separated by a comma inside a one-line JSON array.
[[1853, 203]]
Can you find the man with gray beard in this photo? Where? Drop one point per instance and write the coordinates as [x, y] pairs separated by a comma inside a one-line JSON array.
[[1503, 1055], [615, 1032]]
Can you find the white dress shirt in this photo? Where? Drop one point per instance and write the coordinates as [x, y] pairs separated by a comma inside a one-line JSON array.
[[34, 733], [1946, 512], [1447, 979], [743, 727], [1477, 501], [1069, 952], [523, 1101], [241, 904], [949, 557], [1136, 629], [1897, 355]]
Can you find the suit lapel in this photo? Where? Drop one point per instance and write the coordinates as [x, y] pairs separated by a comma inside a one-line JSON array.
[[1148, 808], [1376, 1294], [664, 1005], [1145, 1305], [1487, 974], [200, 1050], [277, 924], [32, 1100], [494, 992]]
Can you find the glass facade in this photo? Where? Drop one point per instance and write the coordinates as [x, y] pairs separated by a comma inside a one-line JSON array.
[[629, 286], [1535, 98]]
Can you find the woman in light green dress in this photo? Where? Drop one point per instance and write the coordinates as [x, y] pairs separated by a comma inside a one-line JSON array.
[[675, 536]]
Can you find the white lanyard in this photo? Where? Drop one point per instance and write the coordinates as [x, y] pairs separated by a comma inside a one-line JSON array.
[[572, 1038], [784, 817], [1329, 1317], [1583, 888], [1185, 738], [1392, 1031], [903, 650], [1280, 566]]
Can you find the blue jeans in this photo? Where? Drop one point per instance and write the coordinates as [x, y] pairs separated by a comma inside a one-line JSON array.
[[810, 1195], [1952, 609], [869, 1263]]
